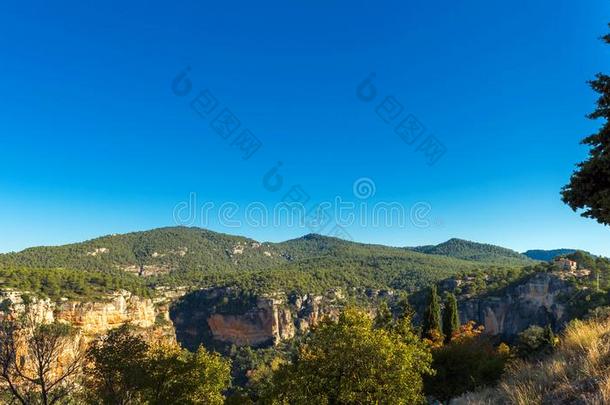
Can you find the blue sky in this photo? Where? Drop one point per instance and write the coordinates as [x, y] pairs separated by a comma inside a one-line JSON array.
[[94, 140]]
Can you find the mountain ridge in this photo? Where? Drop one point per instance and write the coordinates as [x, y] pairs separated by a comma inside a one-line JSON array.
[[475, 251], [548, 254], [199, 258]]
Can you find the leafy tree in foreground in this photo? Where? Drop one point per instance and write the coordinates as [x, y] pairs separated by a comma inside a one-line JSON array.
[[117, 371], [349, 362], [127, 370], [451, 319], [589, 187], [536, 342], [39, 364], [431, 325], [178, 376], [469, 362], [549, 338]]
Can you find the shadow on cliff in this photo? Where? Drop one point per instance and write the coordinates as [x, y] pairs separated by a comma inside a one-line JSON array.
[[193, 315]]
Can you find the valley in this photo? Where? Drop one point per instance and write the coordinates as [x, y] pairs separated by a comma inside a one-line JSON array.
[[253, 301]]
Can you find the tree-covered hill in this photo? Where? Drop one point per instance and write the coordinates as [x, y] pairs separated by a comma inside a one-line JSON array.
[[481, 252], [546, 255], [165, 249], [194, 257]]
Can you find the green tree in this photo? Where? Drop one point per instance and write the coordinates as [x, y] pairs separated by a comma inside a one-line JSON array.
[[535, 342], [469, 362], [6, 305], [142, 251], [584, 260], [403, 327], [431, 325], [127, 370], [177, 376], [118, 368], [405, 310], [451, 319], [549, 338], [351, 362], [589, 186], [384, 317]]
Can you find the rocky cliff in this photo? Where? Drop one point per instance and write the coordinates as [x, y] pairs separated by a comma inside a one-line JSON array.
[[534, 301], [268, 321], [220, 317], [91, 318]]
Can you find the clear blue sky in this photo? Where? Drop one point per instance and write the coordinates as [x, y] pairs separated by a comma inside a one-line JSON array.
[[93, 140]]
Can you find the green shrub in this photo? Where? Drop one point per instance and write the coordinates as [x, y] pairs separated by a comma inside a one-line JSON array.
[[465, 364]]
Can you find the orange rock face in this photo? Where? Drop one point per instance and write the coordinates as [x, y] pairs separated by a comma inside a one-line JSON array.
[[93, 318], [99, 317], [268, 322]]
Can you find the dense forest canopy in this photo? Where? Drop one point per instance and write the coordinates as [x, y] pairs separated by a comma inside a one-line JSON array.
[[467, 250]]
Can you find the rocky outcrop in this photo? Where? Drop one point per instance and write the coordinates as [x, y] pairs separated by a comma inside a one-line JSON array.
[[147, 269], [268, 321], [99, 317], [312, 309], [91, 318], [535, 301], [221, 317]]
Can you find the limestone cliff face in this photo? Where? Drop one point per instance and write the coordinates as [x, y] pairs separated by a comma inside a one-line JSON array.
[[533, 302], [312, 309], [218, 318], [92, 318], [99, 317], [268, 321]]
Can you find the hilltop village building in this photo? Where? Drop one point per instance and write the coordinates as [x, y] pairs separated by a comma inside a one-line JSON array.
[[565, 264]]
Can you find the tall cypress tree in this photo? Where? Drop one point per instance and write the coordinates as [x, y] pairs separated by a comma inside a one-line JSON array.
[[451, 319], [432, 316]]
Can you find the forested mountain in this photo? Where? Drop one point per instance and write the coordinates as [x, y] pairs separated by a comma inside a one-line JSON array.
[[194, 257], [546, 255], [467, 250]]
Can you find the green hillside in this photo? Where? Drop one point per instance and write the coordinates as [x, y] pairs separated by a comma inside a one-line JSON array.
[[481, 252], [547, 255], [194, 257], [171, 248]]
